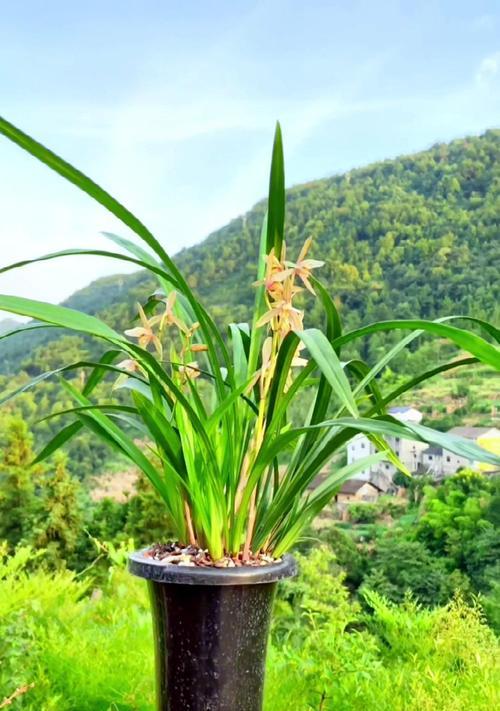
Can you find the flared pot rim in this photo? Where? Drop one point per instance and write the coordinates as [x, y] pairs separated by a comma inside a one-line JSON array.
[[145, 567]]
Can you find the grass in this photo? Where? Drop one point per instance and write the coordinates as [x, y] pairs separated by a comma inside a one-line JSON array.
[[93, 651]]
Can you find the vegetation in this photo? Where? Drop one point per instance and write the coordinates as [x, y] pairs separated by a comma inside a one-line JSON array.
[[381, 619], [43, 506], [215, 416], [326, 652]]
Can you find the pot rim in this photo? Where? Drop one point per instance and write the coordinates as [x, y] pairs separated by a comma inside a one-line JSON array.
[[156, 571]]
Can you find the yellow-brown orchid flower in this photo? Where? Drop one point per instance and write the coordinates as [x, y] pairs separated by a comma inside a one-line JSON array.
[[302, 267], [168, 318], [266, 364], [298, 361], [276, 273], [192, 329], [130, 366], [145, 334], [198, 348], [289, 318], [267, 348], [189, 371]]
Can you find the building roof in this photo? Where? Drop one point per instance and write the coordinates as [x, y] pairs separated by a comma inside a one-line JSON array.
[[438, 451], [406, 414], [470, 432], [381, 480], [354, 485]]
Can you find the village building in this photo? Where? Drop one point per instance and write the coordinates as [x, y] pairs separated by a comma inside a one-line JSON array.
[[486, 437], [357, 491], [440, 463], [408, 451], [418, 457]]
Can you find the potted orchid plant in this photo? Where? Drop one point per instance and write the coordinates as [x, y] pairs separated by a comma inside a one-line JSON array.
[[232, 466]]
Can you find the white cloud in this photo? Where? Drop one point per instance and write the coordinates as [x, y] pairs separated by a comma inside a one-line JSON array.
[[488, 69]]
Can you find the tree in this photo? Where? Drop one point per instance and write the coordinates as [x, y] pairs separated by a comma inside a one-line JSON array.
[[58, 519], [347, 554], [454, 514], [400, 567], [147, 518], [18, 480]]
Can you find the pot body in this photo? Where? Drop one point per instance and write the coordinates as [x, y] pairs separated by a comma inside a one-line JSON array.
[[211, 628]]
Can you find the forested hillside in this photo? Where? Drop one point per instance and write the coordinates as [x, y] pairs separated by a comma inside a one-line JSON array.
[[414, 236]]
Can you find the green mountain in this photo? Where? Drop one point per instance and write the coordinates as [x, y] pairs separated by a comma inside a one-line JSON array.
[[8, 324], [414, 236]]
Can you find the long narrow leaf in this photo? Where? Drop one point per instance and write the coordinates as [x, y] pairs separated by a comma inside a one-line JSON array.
[[276, 204], [470, 342], [58, 441], [58, 316], [327, 361]]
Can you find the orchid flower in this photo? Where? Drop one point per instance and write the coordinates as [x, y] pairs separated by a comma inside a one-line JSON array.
[[145, 333]]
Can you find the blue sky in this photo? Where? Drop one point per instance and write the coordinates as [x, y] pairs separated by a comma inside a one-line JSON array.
[[171, 106]]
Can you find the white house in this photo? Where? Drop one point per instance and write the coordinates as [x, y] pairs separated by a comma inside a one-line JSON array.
[[408, 451], [441, 463], [418, 456]]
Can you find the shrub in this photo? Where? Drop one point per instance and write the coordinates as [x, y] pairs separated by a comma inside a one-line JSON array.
[[396, 658], [81, 652], [347, 554], [400, 567], [454, 514], [491, 605], [363, 513], [392, 506]]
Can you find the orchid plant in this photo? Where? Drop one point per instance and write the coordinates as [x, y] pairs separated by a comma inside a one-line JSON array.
[[213, 410]]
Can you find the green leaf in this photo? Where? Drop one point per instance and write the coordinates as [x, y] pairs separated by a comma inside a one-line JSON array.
[[324, 492], [470, 342], [132, 248], [149, 264], [276, 202], [75, 176], [23, 329], [256, 336], [58, 316], [413, 382], [240, 362], [162, 431], [108, 408], [361, 370], [120, 439], [318, 500], [327, 361], [58, 441], [99, 371], [333, 322], [285, 357], [368, 381]]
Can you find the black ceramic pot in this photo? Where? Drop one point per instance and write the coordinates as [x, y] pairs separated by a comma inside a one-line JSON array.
[[211, 627]]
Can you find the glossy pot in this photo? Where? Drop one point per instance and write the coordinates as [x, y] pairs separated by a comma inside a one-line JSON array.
[[211, 627]]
